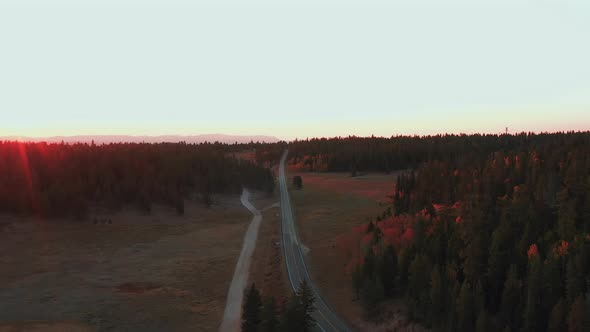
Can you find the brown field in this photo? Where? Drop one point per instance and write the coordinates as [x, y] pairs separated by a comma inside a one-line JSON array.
[[329, 205], [159, 272], [375, 186]]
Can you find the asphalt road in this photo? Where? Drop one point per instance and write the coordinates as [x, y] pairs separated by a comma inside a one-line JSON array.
[[325, 317]]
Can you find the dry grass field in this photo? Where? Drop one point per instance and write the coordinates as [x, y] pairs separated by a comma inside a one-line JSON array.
[[329, 205], [160, 272]]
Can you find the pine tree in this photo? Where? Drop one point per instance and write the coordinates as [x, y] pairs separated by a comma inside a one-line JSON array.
[[465, 309], [498, 262], [483, 322], [587, 313], [419, 286], [371, 294], [389, 270], [480, 298], [566, 221], [533, 315], [269, 315], [557, 317], [437, 299], [306, 300], [293, 316], [357, 280], [511, 298], [575, 318], [251, 310], [370, 265], [574, 280]]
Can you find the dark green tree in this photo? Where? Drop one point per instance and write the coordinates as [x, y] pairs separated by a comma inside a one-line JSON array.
[[533, 314], [306, 300], [483, 323], [511, 300], [575, 317], [297, 182], [557, 318], [251, 309], [357, 280], [388, 273], [466, 309], [269, 316], [437, 298]]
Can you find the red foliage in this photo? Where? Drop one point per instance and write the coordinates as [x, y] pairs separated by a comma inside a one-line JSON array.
[[533, 251], [366, 240], [561, 249], [438, 207], [408, 236], [458, 220], [392, 236]]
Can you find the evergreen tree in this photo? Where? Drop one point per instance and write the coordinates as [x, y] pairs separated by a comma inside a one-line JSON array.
[[557, 321], [437, 299], [389, 270], [371, 294], [498, 262], [306, 300], [269, 316], [511, 299], [357, 280], [480, 298], [465, 309], [533, 315], [483, 323], [574, 280], [418, 294], [575, 317], [293, 316], [251, 310]]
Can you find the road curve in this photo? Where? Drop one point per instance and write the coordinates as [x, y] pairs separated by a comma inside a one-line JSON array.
[[325, 317], [233, 305]]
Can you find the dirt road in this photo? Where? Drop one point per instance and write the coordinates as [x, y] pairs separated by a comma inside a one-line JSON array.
[[233, 306]]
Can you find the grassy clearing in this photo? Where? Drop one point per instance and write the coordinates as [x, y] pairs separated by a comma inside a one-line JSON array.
[[142, 273], [329, 205]]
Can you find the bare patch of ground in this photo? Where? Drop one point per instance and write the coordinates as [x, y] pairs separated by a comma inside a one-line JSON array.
[[159, 272]]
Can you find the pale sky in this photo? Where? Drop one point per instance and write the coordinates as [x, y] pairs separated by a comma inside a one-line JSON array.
[[293, 68]]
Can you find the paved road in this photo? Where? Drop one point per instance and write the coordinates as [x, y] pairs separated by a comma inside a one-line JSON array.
[[233, 305], [326, 319]]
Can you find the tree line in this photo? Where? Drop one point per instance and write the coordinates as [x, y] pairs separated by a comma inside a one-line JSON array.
[[64, 180], [384, 154], [485, 241], [266, 315]]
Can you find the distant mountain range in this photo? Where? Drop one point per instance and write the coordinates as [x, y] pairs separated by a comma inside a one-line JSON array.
[[100, 139]]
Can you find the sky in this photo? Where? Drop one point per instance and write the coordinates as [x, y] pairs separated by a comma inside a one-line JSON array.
[[293, 69]]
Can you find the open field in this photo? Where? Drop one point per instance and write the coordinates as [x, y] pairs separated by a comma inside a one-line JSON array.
[[375, 186], [327, 206], [141, 273]]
